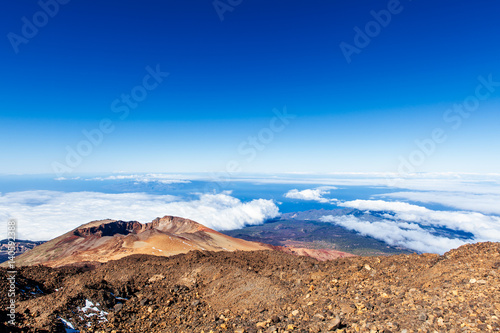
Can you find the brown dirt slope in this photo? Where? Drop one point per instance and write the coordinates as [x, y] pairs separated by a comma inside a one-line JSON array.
[[101, 241], [104, 240], [266, 291]]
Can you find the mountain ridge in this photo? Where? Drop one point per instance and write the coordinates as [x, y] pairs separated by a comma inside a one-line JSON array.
[[100, 241]]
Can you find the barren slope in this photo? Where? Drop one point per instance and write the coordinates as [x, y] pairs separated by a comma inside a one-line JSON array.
[[104, 240], [101, 241], [266, 291]]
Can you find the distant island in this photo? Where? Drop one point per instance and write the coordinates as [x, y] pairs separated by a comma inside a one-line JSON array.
[[21, 247]]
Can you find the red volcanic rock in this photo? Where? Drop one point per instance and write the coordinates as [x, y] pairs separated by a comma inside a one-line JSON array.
[[263, 291], [101, 241], [108, 229], [105, 240]]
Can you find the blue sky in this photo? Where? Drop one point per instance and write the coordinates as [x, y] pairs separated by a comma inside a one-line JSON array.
[[227, 76]]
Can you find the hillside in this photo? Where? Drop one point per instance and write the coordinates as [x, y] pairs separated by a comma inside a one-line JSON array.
[[105, 240], [298, 231], [266, 291]]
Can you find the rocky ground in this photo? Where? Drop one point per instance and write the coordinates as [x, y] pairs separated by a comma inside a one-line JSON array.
[[264, 291]]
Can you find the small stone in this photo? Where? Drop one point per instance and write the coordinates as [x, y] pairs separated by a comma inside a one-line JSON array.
[[275, 319], [333, 324], [472, 281], [272, 329], [319, 316], [261, 324], [150, 309], [314, 328], [239, 330], [295, 312], [156, 277], [422, 317], [367, 267], [118, 307], [346, 308]]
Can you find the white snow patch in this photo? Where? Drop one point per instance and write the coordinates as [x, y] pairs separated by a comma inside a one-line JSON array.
[[68, 326], [93, 311]]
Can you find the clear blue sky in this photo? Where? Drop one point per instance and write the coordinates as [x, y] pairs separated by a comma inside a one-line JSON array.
[[226, 76]]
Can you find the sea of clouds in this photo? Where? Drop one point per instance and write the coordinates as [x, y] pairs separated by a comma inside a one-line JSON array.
[[474, 208], [471, 205], [43, 215]]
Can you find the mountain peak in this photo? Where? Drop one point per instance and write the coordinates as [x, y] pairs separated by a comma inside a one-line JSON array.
[[175, 224], [103, 240], [108, 227]]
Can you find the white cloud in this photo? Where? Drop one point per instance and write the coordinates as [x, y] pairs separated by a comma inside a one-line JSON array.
[[395, 233], [43, 215], [380, 205], [485, 203], [483, 227], [458, 182], [147, 178], [311, 194]]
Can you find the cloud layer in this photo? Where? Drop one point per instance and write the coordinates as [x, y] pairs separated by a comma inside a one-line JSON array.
[[409, 235], [457, 182], [403, 223], [483, 227], [146, 178], [43, 215], [487, 203], [310, 194]]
